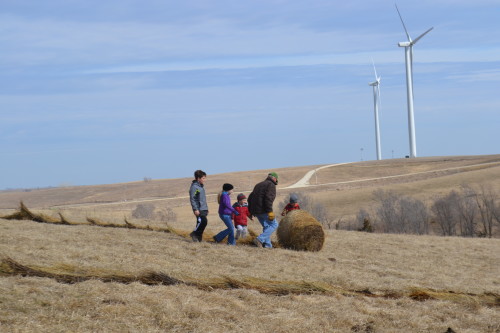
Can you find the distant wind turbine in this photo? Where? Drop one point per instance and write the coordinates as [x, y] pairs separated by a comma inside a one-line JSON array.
[[409, 83], [376, 105]]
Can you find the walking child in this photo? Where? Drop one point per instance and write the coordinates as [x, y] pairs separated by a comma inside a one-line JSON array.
[[240, 221], [292, 205], [225, 213], [198, 204]]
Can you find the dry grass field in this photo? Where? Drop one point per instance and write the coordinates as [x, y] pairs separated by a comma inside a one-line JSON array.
[[85, 278]]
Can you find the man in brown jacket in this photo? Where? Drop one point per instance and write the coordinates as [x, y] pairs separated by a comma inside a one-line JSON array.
[[260, 204]]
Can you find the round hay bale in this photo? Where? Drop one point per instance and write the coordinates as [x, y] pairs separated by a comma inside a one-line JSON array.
[[300, 231]]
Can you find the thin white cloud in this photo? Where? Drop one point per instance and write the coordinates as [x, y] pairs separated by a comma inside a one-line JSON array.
[[357, 58], [475, 76]]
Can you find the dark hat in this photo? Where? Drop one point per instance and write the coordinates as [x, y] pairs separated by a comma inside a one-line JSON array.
[[227, 187], [241, 196], [294, 198]]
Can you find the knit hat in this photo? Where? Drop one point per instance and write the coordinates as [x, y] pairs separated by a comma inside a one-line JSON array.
[[273, 174], [294, 198], [241, 196], [227, 187]]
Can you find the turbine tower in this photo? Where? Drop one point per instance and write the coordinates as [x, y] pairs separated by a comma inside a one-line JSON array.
[[409, 83], [376, 104]]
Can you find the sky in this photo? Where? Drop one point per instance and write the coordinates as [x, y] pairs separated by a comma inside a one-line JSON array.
[[101, 92]]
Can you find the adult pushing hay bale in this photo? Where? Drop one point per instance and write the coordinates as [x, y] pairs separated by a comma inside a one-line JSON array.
[[300, 231]]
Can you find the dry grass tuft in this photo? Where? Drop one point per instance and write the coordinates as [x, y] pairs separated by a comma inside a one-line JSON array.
[[64, 220], [300, 231], [25, 214]]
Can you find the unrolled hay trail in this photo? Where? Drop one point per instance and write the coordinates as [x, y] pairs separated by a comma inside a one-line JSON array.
[[71, 275], [25, 214], [300, 231]]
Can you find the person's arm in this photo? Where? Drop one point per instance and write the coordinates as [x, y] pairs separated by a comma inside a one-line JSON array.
[[226, 202], [269, 197], [193, 193]]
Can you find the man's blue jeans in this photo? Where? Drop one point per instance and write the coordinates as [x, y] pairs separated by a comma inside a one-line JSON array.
[[226, 232], [268, 229]]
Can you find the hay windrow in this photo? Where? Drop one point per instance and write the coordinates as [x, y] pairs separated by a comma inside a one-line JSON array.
[[25, 214], [70, 275], [300, 231]]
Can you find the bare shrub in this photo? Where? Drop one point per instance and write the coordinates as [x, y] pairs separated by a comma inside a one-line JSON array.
[[496, 212], [166, 215], [445, 211], [414, 215], [363, 218], [486, 203], [466, 210], [467, 206], [149, 212], [144, 211], [316, 209], [401, 214]]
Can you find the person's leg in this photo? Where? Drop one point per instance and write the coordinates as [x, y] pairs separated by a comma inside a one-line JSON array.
[[202, 226], [201, 223], [221, 235], [271, 226], [239, 229], [244, 231], [262, 220], [230, 229]]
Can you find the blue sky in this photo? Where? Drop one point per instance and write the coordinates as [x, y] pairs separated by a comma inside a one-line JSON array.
[[96, 92]]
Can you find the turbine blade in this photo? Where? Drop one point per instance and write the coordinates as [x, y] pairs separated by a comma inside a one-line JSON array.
[[404, 26], [422, 35], [374, 69]]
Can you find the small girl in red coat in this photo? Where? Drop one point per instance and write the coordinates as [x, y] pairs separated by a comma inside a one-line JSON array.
[[240, 221], [292, 205]]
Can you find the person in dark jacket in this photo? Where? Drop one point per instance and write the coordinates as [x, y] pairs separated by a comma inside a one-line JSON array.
[[260, 204], [225, 213], [199, 204]]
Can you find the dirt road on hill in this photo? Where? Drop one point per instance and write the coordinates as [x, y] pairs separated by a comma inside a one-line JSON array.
[[304, 182]]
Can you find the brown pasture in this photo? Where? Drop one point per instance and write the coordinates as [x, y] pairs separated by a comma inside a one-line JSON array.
[[87, 277]]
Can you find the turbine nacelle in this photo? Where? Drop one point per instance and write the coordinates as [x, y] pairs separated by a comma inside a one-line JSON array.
[[404, 44]]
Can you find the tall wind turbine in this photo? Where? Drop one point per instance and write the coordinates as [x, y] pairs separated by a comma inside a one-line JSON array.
[[409, 83], [376, 104]]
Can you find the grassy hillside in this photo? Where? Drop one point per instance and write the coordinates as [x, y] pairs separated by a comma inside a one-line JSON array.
[[343, 190], [81, 278], [373, 282]]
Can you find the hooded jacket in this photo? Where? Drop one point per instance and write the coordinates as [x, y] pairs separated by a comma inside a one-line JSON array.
[[244, 213], [197, 196], [260, 201]]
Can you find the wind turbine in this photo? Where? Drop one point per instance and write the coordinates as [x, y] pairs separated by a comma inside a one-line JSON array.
[[376, 104], [409, 83]]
